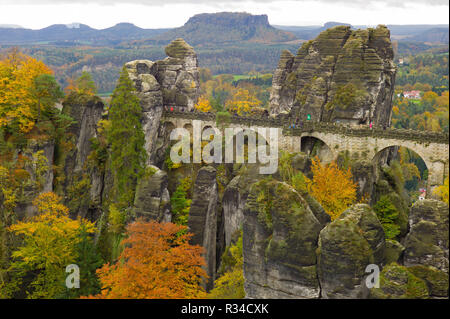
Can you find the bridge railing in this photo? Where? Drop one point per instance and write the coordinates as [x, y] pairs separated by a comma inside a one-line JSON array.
[[363, 131]]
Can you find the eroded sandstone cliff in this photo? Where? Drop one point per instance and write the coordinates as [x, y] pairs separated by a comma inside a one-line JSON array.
[[343, 75]]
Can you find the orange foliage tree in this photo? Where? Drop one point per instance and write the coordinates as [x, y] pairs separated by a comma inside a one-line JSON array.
[[157, 263], [18, 104], [332, 187]]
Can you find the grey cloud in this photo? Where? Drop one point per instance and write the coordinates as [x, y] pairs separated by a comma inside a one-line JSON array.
[[362, 3]]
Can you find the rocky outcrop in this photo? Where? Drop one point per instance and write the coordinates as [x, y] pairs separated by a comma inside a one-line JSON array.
[[152, 200], [343, 75], [396, 282], [37, 184], [346, 247], [172, 82], [427, 241], [79, 181], [234, 199], [279, 244], [394, 251], [202, 221]]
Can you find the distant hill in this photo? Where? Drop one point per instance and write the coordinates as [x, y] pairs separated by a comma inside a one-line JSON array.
[[414, 32], [227, 27], [435, 35], [309, 32], [77, 33]]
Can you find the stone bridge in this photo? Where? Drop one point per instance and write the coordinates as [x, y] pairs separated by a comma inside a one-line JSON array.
[[362, 143]]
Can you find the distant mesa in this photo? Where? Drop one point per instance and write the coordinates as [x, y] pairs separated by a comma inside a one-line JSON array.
[[225, 27]]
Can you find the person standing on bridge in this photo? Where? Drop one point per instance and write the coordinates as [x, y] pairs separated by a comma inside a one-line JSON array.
[[370, 125]]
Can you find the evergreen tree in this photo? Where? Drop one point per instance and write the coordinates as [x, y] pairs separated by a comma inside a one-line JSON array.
[[126, 138], [85, 84], [46, 91], [88, 260]]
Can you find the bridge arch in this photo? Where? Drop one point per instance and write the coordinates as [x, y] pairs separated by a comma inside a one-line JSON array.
[[396, 152], [316, 146], [167, 127]]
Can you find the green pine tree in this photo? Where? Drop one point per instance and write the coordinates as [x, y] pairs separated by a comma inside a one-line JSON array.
[[388, 215], [126, 138], [88, 261]]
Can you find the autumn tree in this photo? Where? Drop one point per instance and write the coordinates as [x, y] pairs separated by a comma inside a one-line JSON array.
[[203, 104], [18, 99], [84, 84], [126, 138], [442, 191], [242, 102], [50, 243], [332, 187], [230, 281], [157, 263]]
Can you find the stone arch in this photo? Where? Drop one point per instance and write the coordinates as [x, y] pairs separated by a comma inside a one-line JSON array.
[[167, 127], [386, 155], [316, 146]]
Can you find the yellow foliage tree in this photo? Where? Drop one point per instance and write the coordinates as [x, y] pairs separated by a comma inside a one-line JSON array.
[[230, 285], [203, 104], [50, 242], [18, 104], [332, 187], [242, 102], [442, 191]]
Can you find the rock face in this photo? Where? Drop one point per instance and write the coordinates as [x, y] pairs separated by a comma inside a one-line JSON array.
[[82, 184], [202, 221], [396, 282], [172, 82], [279, 243], [234, 199], [427, 242], [25, 207], [152, 200], [346, 247], [341, 76]]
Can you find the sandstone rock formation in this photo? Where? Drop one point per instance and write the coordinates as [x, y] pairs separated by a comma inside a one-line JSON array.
[[202, 221], [152, 200], [82, 184], [172, 82], [396, 282], [342, 76], [24, 207], [427, 242], [234, 199], [279, 244], [346, 247]]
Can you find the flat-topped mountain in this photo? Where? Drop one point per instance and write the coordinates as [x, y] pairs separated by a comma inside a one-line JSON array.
[[227, 27]]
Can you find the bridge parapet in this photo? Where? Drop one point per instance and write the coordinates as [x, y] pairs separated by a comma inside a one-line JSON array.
[[423, 137]]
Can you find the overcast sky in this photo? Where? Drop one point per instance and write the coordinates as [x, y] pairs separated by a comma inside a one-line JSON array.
[[173, 13]]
